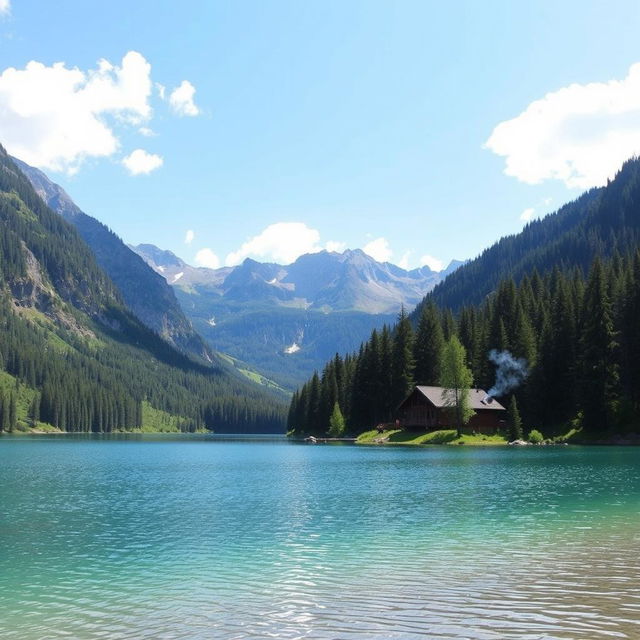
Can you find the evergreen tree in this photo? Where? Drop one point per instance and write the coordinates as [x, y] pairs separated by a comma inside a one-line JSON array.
[[312, 422], [402, 359], [4, 411], [514, 422], [631, 338], [13, 411], [428, 346], [385, 380], [599, 369]]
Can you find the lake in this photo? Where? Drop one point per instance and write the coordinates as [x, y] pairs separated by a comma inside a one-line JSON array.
[[205, 537]]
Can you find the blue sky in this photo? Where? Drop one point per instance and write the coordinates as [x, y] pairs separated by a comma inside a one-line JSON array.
[[386, 125]]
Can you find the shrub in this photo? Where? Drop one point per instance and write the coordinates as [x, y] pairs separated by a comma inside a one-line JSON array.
[[535, 437]]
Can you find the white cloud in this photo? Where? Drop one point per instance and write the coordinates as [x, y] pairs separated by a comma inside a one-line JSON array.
[[527, 214], [379, 250], [404, 261], [5, 7], [282, 242], [181, 100], [206, 258], [55, 117], [189, 236], [142, 162], [580, 134], [334, 245], [434, 264], [162, 90], [147, 132]]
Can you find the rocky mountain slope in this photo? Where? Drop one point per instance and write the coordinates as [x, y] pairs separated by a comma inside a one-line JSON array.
[[76, 358], [144, 292], [286, 320]]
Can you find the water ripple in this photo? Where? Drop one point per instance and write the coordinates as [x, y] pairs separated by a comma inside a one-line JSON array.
[[125, 540]]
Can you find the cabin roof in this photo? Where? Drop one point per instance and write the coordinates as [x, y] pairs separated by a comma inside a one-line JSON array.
[[437, 396]]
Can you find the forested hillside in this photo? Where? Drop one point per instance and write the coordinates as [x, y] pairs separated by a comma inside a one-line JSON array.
[[573, 317], [601, 222], [84, 362], [579, 338], [145, 293]]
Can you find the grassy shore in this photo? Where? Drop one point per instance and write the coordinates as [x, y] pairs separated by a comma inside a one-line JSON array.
[[445, 436]]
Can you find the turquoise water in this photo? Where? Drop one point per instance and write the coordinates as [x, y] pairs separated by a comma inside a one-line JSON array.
[[204, 538]]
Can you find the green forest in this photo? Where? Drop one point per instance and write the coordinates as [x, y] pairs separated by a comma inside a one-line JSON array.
[[578, 335], [74, 350], [568, 303]]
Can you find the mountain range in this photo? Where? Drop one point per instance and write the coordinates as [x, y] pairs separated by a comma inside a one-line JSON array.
[[323, 281], [274, 323], [286, 320]]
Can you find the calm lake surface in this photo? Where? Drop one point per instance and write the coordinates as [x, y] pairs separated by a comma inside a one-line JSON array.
[[192, 537]]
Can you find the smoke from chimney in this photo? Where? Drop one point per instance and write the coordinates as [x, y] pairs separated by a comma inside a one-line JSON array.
[[510, 372]]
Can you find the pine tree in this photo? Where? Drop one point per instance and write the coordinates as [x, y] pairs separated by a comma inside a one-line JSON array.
[[385, 381], [313, 424], [599, 368], [428, 346], [631, 338], [4, 412], [13, 411], [402, 359], [514, 422]]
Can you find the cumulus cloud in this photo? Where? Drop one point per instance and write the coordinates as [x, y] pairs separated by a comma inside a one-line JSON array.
[[142, 162], [580, 134], [181, 100], [334, 245], [5, 7], [54, 117], [379, 250], [434, 264], [189, 236], [282, 242], [527, 214], [403, 263], [207, 258]]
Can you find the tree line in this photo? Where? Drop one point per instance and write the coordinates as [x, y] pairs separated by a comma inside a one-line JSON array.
[[578, 333]]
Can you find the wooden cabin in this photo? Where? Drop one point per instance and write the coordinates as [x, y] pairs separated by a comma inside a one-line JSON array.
[[428, 409]]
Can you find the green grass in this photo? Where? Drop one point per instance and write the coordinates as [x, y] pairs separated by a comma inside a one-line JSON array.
[[251, 374], [158, 421], [258, 378], [444, 436]]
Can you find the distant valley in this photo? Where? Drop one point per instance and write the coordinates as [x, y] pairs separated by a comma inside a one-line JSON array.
[[287, 320]]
